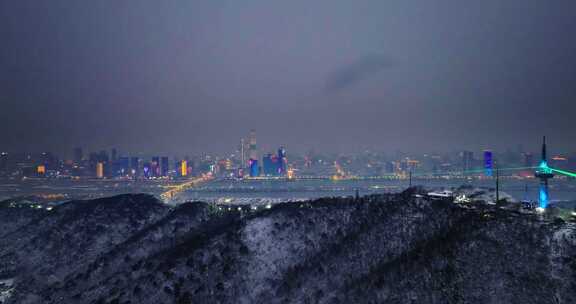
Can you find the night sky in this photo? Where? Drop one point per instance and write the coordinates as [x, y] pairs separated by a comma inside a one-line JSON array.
[[196, 75]]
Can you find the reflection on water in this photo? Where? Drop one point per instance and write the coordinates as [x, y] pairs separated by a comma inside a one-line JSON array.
[[262, 191], [271, 191]]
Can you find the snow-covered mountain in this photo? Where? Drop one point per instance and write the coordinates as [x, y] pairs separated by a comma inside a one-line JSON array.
[[378, 249]]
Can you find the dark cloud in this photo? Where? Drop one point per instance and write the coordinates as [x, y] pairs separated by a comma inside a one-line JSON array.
[[361, 69]]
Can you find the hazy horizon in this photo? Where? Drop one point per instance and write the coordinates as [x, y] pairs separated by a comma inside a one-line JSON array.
[[196, 76]]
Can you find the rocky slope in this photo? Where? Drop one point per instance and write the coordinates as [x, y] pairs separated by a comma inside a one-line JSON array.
[[379, 249]]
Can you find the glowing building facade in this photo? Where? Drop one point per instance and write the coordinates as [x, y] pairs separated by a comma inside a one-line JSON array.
[[100, 170], [183, 168], [488, 163]]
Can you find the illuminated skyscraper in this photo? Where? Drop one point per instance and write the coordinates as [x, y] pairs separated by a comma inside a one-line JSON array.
[[164, 167], [122, 166], [100, 170], [155, 166], [253, 151], [282, 161], [253, 155], [488, 163], [183, 168], [254, 170], [134, 166], [147, 170]]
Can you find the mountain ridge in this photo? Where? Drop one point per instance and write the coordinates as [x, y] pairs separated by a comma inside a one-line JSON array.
[[392, 248]]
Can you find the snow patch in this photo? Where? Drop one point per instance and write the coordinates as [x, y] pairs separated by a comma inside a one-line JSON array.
[[6, 289]]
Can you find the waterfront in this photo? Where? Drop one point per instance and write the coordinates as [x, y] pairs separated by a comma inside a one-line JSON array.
[[256, 191]]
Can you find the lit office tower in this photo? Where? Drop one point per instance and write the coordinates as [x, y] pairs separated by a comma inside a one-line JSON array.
[[100, 170], [269, 164], [164, 167], [282, 161], [134, 166], [252, 148], [467, 161], [147, 170], [122, 166], [183, 168], [155, 166], [78, 155], [41, 170], [253, 154], [488, 163], [253, 165]]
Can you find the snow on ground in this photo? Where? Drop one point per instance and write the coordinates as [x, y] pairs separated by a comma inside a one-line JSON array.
[[6, 288]]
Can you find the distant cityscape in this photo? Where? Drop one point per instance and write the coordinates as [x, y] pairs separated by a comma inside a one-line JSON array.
[[247, 161]]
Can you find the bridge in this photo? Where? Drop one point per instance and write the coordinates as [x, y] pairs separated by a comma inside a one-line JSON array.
[[174, 190]]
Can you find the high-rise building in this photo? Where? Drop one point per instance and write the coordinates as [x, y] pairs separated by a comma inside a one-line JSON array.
[[488, 163], [254, 170], [242, 153], [253, 155], [122, 166], [48, 160], [147, 170], [290, 173], [467, 161], [282, 161], [78, 155], [183, 168], [41, 170], [155, 166], [103, 156], [252, 143], [134, 166], [390, 167], [164, 167], [114, 155], [269, 164], [100, 170]]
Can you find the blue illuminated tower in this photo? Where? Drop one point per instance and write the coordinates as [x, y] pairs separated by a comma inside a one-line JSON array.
[[543, 172], [253, 166], [488, 164]]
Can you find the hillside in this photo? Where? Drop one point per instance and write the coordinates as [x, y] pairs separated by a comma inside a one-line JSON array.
[[378, 249]]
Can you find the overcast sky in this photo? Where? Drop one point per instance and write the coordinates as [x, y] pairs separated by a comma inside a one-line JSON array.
[[196, 75]]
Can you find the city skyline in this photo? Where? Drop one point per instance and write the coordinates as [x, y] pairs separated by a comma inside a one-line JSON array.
[[265, 146], [248, 160], [256, 151]]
